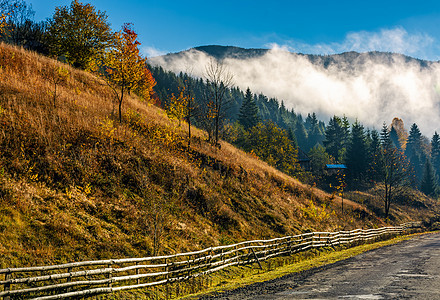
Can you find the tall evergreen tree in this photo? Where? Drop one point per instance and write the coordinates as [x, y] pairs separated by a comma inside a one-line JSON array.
[[248, 115], [301, 135], [395, 138], [375, 160], [357, 156], [315, 135], [385, 139], [435, 153], [334, 138], [429, 182], [345, 125], [414, 151]]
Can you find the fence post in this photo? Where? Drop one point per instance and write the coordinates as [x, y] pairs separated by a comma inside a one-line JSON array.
[[7, 285], [236, 255], [110, 275], [189, 267], [138, 281], [69, 279], [256, 257], [167, 276]]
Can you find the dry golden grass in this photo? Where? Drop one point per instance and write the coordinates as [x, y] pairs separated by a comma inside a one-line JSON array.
[[75, 184]]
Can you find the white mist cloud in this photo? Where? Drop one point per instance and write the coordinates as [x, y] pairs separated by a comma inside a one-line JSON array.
[[372, 92], [152, 52], [397, 40]]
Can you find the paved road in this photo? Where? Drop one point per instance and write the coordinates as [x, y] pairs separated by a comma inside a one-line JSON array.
[[408, 270]]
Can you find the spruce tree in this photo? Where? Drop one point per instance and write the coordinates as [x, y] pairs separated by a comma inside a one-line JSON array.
[[345, 125], [385, 139], [414, 152], [248, 116], [301, 135], [375, 160], [357, 152], [395, 138], [435, 153], [429, 182], [334, 138], [315, 135]]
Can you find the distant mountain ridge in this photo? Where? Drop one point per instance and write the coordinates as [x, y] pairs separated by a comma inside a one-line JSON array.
[[341, 60]]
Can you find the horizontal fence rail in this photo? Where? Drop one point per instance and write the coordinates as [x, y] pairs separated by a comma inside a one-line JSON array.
[[81, 279]]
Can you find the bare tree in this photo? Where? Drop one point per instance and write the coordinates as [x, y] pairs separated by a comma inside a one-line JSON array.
[[190, 106], [392, 169], [218, 81]]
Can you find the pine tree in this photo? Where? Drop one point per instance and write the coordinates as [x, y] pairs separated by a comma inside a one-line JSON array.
[[334, 138], [301, 135], [315, 135], [429, 181], [385, 139], [435, 153], [345, 124], [395, 138], [357, 152], [375, 160], [248, 116], [414, 152], [292, 137]]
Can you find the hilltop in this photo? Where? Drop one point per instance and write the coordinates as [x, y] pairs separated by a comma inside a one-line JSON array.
[[75, 184], [343, 61]]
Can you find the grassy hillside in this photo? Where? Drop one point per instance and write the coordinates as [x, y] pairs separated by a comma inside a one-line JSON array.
[[75, 184]]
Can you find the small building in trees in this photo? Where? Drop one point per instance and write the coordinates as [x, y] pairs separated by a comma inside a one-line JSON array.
[[304, 160], [335, 168]]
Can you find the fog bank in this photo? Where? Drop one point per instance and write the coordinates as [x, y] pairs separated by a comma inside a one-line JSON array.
[[371, 91]]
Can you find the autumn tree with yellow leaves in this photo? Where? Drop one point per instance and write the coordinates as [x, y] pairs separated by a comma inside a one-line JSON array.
[[124, 69], [177, 106], [2, 23], [79, 33]]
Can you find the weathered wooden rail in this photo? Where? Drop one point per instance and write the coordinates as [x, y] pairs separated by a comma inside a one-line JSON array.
[[81, 279]]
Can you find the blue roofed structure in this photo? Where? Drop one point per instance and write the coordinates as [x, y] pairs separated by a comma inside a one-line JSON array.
[[335, 166]]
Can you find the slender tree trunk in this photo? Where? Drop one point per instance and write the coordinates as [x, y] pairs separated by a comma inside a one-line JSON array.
[[55, 96], [189, 132], [120, 105], [217, 117]]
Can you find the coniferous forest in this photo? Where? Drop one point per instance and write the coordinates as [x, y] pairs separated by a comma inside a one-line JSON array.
[[338, 141]]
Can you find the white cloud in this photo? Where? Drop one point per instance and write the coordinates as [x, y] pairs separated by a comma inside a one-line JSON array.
[[397, 40], [152, 52], [372, 92]]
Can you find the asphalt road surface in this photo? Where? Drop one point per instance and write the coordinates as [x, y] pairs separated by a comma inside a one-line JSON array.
[[408, 270]]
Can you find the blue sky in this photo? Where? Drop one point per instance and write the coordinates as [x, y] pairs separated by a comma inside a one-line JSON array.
[[324, 27]]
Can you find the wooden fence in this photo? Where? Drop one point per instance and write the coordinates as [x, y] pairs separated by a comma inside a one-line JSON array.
[[81, 279]]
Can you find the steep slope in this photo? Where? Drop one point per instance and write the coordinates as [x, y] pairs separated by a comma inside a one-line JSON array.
[[75, 184]]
